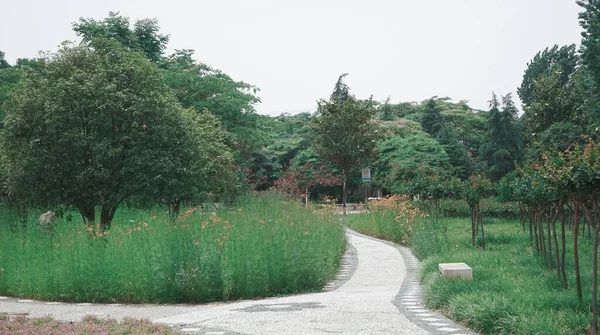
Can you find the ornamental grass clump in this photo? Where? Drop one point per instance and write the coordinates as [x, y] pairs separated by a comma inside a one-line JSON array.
[[263, 246], [392, 218]]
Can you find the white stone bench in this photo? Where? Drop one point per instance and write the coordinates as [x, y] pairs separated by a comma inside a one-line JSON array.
[[456, 270]]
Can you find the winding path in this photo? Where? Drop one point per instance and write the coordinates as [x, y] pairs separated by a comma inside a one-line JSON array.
[[375, 294]]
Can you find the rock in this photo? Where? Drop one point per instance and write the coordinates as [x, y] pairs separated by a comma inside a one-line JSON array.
[[48, 219], [456, 270]]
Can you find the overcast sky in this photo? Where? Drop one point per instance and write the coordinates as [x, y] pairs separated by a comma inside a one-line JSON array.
[[294, 51]]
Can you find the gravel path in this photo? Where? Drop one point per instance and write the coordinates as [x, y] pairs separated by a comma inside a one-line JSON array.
[[375, 293]]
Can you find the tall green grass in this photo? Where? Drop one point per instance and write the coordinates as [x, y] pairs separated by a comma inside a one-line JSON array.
[[264, 246], [512, 291]]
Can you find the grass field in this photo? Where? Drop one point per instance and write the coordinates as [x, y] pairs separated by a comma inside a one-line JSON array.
[[512, 291], [263, 246]]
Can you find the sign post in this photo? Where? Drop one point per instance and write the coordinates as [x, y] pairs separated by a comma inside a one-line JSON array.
[[366, 178], [366, 175]]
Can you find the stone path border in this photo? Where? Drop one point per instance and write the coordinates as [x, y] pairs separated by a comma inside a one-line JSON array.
[[410, 301]]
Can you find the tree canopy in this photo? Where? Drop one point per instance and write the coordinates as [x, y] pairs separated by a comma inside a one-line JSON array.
[[93, 127]]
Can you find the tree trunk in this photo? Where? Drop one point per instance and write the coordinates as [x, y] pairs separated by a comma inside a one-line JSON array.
[[541, 235], [344, 195], [563, 223], [306, 198], [553, 224], [522, 215], [88, 213], [480, 222], [595, 283], [473, 227], [174, 209], [576, 250], [550, 258], [106, 215]]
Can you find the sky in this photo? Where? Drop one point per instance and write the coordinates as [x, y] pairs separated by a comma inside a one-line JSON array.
[[294, 51]]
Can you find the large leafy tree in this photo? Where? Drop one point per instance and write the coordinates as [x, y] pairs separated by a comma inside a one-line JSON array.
[[554, 91], [345, 132], [589, 20], [93, 127], [402, 158], [144, 36], [199, 164], [201, 87], [559, 61]]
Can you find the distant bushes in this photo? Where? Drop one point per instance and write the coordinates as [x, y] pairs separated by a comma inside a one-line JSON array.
[[490, 207]]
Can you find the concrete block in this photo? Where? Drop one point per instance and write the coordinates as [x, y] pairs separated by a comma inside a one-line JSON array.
[[456, 270]]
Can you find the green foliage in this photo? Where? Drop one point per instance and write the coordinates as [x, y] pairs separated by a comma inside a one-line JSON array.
[[345, 132], [262, 247], [560, 62], [474, 188], [3, 63], [144, 37], [401, 159], [94, 126], [503, 144], [444, 131], [432, 121], [392, 218], [491, 207], [199, 164], [511, 292], [589, 20], [201, 87]]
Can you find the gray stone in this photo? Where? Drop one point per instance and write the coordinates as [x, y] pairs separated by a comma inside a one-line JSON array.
[[456, 270], [48, 219]]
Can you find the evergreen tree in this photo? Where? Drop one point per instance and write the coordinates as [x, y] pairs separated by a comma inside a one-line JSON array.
[[432, 121], [503, 143]]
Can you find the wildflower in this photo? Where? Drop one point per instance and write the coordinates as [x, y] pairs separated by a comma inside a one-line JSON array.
[[137, 229], [226, 237], [196, 243], [89, 229], [105, 233], [306, 233], [154, 217], [129, 231], [261, 221], [145, 224]]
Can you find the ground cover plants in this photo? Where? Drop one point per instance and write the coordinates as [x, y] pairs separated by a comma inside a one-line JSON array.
[[512, 291], [21, 325], [262, 246]]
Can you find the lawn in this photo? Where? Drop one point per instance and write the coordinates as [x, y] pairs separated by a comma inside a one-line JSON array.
[[512, 291], [262, 246]]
